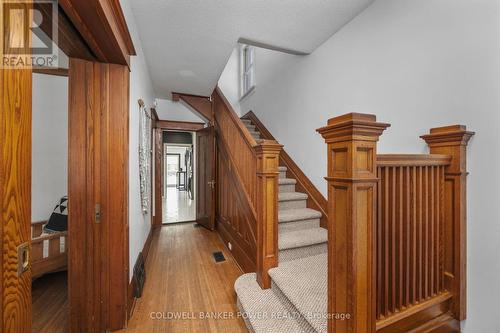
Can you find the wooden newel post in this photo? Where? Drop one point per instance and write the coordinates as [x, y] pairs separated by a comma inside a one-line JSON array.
[[352, 180], [267, 153], [452, 140]]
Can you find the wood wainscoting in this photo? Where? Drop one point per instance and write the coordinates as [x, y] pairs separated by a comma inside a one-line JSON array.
[[247, 192], [236, 218]]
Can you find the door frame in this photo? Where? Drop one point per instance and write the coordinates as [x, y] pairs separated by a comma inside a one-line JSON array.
[[179, 164], [96, 31], [159, 127]]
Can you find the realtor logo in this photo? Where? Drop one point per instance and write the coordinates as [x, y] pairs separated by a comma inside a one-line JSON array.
[[29, 34]]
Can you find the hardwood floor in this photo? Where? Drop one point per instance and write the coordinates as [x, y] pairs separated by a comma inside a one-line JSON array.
[[184, 280], [50, 303]]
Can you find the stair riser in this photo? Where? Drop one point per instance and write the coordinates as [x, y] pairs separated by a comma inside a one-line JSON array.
[[292, 204], [298, 225], [287, 188], [251, 128], [246, 121], [282, 174], [306, 327], [302, 252], [256, 137]]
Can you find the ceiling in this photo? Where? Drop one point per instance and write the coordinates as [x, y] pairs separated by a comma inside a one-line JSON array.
[[188, 42]]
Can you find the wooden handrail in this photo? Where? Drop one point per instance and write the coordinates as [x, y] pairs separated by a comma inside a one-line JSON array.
[[236, 121], [412, 159], [315, 199], [256, 168], [397, 230]]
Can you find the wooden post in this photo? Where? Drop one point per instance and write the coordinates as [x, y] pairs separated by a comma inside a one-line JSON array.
[[452, 140], [352, 179], [267, 153]]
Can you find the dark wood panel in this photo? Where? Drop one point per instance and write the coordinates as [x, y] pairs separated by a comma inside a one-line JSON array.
[[236, 218], [98, 163], [199, 104], [315, 199], [205, 171]]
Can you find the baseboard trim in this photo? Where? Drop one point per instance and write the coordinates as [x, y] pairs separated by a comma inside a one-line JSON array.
[[131, 286]]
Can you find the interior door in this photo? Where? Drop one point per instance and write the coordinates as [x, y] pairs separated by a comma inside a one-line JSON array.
[[205, 170], [15, 179]]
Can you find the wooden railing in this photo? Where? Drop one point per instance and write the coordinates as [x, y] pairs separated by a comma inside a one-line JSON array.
[[396, 247], [315, 199], [247, 209]]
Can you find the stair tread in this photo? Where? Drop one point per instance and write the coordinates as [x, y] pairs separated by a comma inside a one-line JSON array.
[[301, 238], [304, 283], [282, 168], [287, 181], [291, 196], [299, 214], [261, 305]]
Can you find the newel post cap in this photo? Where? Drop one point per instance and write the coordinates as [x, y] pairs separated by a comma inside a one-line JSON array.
[[268, 147], [359, 126], [455, 135]]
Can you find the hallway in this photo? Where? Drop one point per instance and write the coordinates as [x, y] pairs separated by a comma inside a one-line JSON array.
[[177, 206], [183, 279]]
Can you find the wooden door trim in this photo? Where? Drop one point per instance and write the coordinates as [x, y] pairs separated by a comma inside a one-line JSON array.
[[172, 125], [103, 27]]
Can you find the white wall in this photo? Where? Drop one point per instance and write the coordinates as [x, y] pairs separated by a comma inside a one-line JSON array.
[[140, 88], [168, 110], [229, 81], [49, 172], [415, 64]]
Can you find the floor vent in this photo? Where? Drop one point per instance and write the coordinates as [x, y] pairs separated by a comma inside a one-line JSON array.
[[139, 276], [219, 257]]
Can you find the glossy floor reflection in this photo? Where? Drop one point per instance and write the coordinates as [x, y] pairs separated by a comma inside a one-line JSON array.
[[177, 207]]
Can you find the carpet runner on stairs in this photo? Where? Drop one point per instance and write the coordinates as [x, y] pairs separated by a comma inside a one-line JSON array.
[[296, 301]]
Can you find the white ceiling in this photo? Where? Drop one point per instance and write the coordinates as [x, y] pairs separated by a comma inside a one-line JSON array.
[[188, 42]]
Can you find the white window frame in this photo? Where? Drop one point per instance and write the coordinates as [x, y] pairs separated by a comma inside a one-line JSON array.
[[247, 70]]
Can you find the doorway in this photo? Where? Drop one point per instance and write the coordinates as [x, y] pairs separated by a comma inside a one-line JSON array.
[[179, 202], [49, 201]]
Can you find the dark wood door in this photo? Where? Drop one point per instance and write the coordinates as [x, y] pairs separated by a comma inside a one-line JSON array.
[[205, 169]]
